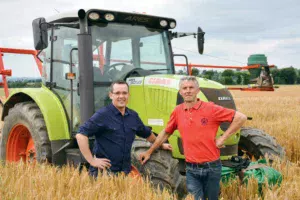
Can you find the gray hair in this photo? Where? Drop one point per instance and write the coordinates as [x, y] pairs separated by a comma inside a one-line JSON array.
[[189, 78]]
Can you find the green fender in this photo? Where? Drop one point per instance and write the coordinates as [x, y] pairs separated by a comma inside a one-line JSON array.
[[50, 106]]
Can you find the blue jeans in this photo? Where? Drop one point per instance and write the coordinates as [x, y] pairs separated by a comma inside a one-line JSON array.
[[203, 180]]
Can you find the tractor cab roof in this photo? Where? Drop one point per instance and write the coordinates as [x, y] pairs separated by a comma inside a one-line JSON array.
[[69, 16], [119, 17]]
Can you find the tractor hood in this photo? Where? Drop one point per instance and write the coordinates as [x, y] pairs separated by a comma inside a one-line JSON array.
[[170, 81], [163, 91]]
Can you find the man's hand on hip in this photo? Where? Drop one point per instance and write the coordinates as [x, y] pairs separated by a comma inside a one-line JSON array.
[[220, 142], [101, 163]]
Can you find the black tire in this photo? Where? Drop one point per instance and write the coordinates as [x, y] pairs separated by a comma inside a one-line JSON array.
[[161, 168], [29, 115], [259, 144]]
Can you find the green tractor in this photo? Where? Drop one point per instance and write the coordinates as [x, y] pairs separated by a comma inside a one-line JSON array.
[[82, 54]]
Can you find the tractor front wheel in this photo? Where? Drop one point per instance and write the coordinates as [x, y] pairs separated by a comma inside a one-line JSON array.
[[24, 135], [161, 168]]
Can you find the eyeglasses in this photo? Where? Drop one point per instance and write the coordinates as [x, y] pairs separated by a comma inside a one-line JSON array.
[[120, 93]]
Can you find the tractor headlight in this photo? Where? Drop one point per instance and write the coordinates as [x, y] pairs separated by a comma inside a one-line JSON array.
[[109, 17]]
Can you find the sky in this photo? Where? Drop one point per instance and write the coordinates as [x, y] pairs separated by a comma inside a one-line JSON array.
[[234, 29]]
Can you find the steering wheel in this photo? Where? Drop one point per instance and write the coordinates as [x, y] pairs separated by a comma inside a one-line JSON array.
[[111, 68], [114, 66], [131, 72]]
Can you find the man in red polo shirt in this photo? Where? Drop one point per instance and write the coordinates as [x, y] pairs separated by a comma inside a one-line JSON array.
[[198, 123]]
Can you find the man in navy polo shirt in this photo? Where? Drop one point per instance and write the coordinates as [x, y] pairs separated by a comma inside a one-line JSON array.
[[114, 127]]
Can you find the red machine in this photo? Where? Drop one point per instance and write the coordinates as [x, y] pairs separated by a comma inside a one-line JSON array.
[[7, 72], [264, 82]]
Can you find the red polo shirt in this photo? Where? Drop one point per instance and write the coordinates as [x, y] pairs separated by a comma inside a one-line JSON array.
[[198, 127]]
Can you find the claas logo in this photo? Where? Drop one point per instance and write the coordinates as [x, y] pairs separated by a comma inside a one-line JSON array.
[[224, 98]]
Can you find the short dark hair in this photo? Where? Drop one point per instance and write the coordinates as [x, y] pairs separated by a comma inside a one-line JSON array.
[[111, 88]]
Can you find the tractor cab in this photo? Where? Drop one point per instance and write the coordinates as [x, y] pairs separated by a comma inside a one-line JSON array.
[[84, 52]]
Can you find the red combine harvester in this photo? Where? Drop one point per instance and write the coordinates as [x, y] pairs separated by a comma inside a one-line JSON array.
[[261, 78]]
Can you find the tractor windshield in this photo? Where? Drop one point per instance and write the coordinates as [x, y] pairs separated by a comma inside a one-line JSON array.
[[120, 49], [123, 50]]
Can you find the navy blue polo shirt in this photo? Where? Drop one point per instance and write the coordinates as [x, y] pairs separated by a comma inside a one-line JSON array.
[[114, 135]]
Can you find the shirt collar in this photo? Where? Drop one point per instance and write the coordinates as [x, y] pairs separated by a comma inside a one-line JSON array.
[[116, 111], [195, 107]]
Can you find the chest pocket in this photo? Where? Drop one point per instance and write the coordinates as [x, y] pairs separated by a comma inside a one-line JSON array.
[[130, 133], [113, 128], [113, 132]]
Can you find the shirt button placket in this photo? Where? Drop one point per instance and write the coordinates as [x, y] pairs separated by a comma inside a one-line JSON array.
[[190, 117], [125, 141]]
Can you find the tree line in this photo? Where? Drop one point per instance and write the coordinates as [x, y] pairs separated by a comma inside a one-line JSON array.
[[24, 82], [288, 75]]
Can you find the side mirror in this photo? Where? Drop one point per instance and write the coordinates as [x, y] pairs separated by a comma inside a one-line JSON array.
[[40, 34], [200, 40]]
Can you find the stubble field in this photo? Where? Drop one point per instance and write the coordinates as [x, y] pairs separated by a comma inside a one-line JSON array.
[[277, 113]]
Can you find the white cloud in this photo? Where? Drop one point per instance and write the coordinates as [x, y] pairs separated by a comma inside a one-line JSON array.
[[234, 29]]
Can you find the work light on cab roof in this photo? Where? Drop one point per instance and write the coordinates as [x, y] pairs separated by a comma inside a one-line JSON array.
[[109, 17], [163, 23], [94, 16], [172, 24]]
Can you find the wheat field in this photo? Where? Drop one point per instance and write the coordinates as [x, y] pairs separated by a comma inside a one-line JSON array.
[[277, 113]]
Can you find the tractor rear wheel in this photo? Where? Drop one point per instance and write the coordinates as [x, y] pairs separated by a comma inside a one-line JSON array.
[[161, 168], [24, 135], [256, 143]]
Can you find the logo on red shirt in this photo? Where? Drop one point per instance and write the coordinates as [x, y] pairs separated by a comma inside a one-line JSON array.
[[204, 121]]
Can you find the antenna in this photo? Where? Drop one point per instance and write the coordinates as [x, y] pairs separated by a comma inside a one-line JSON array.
[[56, 10]]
